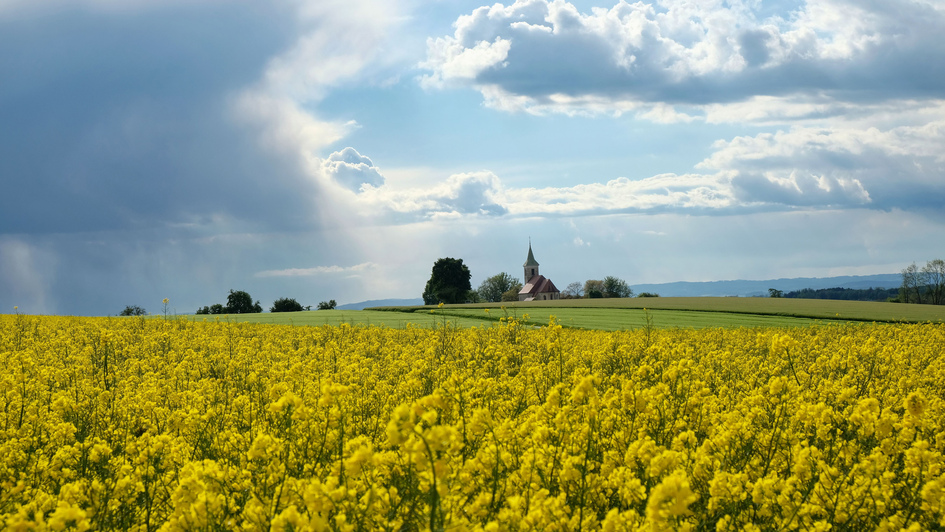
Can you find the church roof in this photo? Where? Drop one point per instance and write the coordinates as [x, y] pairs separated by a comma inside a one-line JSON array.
[[531, 257], [539, 284]]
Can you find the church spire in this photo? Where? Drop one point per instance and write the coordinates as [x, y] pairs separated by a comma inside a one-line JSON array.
[[531, 265]]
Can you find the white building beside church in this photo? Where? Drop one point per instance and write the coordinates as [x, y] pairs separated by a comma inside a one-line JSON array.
[[537, 287]]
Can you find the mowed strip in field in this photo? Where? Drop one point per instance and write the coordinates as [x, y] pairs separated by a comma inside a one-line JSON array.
[[620, 314]]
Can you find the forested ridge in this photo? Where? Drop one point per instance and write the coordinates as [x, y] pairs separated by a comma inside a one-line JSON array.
[[848, 294]]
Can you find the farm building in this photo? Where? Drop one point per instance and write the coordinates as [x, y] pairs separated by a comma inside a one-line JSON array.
[[537, 287]]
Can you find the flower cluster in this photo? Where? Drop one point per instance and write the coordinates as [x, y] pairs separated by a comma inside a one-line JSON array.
[[144, 424]]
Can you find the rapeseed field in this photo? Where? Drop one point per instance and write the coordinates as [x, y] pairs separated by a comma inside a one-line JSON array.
[[164, 424]]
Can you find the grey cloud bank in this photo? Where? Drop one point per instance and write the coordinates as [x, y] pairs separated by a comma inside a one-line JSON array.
[[542, 55]]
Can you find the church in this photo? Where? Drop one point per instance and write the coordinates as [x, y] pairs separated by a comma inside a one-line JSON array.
[[537, 287]]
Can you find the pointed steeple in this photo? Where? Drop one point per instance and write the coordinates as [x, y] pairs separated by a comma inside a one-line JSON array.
[[531, 265]]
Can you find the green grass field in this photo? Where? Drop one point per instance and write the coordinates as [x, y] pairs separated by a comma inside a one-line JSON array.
[[618, 314], [800, 308]]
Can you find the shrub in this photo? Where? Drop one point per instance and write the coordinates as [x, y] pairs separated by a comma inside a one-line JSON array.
[[133, 310], [285, 304]]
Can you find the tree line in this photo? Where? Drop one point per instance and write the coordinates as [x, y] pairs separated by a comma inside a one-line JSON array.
[[450, 283], [924, 285], [607, 287], [240, 302], [844, 294]]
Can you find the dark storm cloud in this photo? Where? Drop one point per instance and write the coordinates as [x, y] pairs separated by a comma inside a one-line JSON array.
[[117, 119]]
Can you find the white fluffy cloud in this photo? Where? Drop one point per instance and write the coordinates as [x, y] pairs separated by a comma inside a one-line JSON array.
[[336, 44], [846, 87], [475, 193], [841, 166], [803, 167], [352, 170], [896, 167], [542, 55]]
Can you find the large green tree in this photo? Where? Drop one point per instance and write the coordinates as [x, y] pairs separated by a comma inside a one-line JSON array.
[[449, 282], [133, 310], [285, 304], [491, 289], [610, 286], [240, 302], [616, 287], [593, 288]]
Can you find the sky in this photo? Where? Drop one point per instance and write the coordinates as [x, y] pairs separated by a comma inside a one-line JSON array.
[[335, 149]]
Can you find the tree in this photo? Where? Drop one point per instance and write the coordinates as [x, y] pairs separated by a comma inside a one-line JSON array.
[[473, 297], [615, 287], [240, 302], [327, 305], [933, 275], [217, 308], [285, 304], [491, 289], [648, 294], [574, 290], [133, 310], [912, 281], [449, 282], [593, 288], [774, 292], [512, 293]]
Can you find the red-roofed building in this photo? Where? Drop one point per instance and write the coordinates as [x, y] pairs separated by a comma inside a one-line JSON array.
[[537, 287]]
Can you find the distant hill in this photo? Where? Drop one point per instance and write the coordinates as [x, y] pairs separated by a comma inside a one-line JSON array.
[[743, 288], [381, 303], [739, 288]]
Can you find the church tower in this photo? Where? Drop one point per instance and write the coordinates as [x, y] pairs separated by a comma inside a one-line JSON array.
[[531, 265]]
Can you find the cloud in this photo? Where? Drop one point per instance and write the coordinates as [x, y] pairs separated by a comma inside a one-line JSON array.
[[546, 56], [318, 270], [473, 193], [336, 43], [482, 194], [897, 167], [458, 63], [154, 149], [352, 170], [657, 193], [13, 8], [844, 165], [114, 121], [26, 270], [797, 189], [284, 127]]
